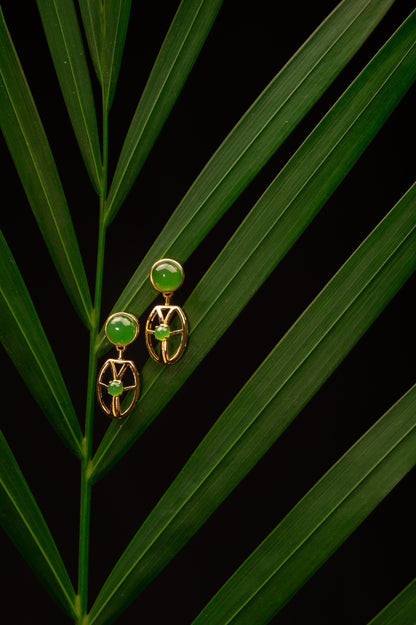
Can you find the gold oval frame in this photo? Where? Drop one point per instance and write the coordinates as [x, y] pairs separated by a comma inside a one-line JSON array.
[[163, 313], [115, 410]]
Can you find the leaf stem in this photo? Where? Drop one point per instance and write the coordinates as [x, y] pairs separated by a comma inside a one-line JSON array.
[[85, 499]]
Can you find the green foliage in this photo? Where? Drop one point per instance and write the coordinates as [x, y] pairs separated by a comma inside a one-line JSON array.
[[29, 148], [64, 39], [24, 339], [93, 35], [23, 522]]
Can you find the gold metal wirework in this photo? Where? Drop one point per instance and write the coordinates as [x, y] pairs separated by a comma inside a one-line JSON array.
[[114, 369], [164, 315]]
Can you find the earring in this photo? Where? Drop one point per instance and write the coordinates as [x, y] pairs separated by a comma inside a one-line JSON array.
[[121, 329], [165, 344]]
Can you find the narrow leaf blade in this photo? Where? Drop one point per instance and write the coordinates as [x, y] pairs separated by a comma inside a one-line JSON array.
[[116, 19], [320, 522], [401, 610], [272, 227], [267, 404], [22, 336], [22, 520], [92, 18], [186, 36], [252, 142], [62, 32], [29, 148]]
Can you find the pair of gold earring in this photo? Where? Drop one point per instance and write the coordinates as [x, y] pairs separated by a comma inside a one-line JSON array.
[[166, 336]]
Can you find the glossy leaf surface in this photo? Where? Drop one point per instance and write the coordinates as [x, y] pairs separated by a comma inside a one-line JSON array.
[[295, 369], [29, 148], [116, 19], [252, 142], [92, 18], [22, 336], [401, 610], [62, 31], [177, 55], [320, 522], [273, 226], [22, 520], [271, 399]]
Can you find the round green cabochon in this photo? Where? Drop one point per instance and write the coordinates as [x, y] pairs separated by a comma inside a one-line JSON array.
[[162, 332], [121, 329], [166, 275], [115, 388]]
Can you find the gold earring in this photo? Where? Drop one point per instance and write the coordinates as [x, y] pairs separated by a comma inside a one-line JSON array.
[[121, 329], [166, 344]]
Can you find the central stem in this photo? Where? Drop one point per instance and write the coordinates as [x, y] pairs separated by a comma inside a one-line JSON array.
[[85, 502]]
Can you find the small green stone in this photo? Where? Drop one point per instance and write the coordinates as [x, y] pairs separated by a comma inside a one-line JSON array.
[[121, 329], [115, 388], [167, 275], [162, 332]]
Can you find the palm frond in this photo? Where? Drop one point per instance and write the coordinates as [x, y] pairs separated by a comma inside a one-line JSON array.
[[29, 147], [272, 227], [23, 522], [245, 392]]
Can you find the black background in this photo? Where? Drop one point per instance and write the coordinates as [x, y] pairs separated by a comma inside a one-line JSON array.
[[248, 44]]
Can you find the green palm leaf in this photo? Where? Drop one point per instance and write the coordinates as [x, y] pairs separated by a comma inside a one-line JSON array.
[[401, 610], [91, 13], [22, 520], [178, 53], [295, 368], [273, 226], [22, 336], [320, 522], [116, 19], [28, 145], [267, 404], [264, 127], [60, 24]]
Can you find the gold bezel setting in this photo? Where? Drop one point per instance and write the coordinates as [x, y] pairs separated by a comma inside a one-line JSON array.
[[163, 315], [118, 369]]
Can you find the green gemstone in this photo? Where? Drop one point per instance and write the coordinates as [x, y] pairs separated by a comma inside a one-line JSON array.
[[121, 329], [167, 275], [162, 332], [115, 388]]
